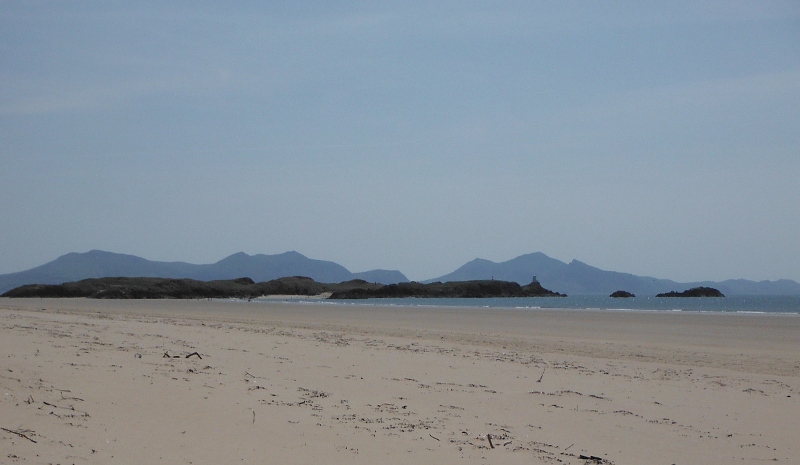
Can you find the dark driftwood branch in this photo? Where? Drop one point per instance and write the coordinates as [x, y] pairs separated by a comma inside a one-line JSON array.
[[489, 437], [19, 434], [434, 437], [70, 398], [593, 458], [540, 378], [195, 353]]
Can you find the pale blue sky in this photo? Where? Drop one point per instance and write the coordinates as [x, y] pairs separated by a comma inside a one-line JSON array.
[[657, 138]]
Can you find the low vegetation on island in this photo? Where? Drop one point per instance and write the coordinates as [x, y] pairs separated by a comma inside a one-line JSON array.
[[246, 288], [455, 289], [167, 288]]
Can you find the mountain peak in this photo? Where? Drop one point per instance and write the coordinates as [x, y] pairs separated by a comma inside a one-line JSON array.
[[238, 257], [292, 253]]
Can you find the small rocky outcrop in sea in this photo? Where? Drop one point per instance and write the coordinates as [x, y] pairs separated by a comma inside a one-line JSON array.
[[694, 292], [621, 294]]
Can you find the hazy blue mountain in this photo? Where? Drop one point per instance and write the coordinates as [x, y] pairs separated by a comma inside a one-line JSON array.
[[94, 264], [520, 269], [267, 267], [579, 278], [743, 286], [381, 276], [100, 264]]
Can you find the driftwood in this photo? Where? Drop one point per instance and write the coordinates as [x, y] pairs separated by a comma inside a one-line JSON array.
[[167, 355], [195, 353], [540, 378], [69, 398], [593, 458], [19, 434], [434, 437], [489, 437], [56, 406]]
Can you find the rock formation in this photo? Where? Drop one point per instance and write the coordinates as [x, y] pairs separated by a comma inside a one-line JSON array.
[[694, 292], [621, 294]]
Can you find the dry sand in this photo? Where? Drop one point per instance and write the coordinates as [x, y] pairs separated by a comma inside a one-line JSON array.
[[110, 382]]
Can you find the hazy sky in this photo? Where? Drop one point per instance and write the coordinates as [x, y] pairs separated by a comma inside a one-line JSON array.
[[656, 138]]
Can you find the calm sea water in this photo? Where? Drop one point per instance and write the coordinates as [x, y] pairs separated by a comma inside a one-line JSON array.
[[738, 304]]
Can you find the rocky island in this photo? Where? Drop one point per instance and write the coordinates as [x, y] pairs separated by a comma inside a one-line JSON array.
[[621, 294], [167, 288], [454, 289], [694, 292], [246, 288]]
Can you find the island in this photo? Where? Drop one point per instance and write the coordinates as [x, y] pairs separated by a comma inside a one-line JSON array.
[[455, 289], [168, 288], [621, 294], [694, 292], [246, 288]]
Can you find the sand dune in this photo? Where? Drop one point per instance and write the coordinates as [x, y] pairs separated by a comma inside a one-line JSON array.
[[97, 382]]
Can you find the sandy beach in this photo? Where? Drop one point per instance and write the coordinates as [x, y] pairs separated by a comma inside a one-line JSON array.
[[210, 382]]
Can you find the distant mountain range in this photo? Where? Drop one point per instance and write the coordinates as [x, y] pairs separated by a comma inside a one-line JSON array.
[[579, 278], [100, 264], [573, 278]]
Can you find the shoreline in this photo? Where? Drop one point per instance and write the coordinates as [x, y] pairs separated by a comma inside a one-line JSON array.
[[376, 302], [786, 304], [765, 342], [307, 383]]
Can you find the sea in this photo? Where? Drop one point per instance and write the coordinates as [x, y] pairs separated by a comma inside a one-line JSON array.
[[786, 304]]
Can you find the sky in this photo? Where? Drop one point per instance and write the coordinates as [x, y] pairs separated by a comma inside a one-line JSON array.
[[654, 138]]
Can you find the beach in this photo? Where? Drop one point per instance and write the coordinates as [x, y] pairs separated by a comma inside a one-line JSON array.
[[205, 382]]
